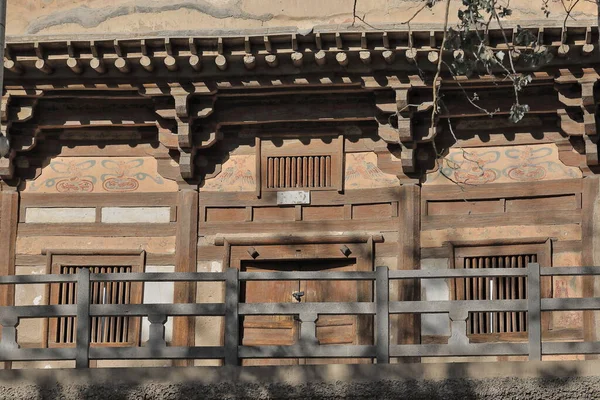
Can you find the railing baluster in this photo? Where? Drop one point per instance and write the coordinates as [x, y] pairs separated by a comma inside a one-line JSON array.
[[9, 324], [308, 329], [232, 328], [382, 298], [534, 305], [157, 331], [82, 359]]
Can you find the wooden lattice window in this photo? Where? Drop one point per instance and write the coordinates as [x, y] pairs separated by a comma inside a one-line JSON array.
[[294, 165], [299, 172], [104, 330], [499, 288]]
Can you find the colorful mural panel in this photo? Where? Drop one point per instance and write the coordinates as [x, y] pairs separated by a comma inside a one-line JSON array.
[[100, 175], [238, 174], [362, 172], [476, 166]]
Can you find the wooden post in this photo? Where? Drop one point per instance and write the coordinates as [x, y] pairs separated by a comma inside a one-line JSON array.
[[591, 251], [184, 328], [409, 258], [9, 210]]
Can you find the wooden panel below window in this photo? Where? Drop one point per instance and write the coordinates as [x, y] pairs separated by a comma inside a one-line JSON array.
[[322, 213], [464, 207], [225, 214], [274, 214], [567, 202], [368, 211]]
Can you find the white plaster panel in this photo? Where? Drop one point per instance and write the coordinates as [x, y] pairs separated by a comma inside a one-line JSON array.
[[158, 293], [30, 330], [118, 215], [432, 290], [59, 215]]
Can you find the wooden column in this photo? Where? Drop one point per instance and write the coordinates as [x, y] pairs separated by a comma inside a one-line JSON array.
[[185, 292], [409, 258], [591, 250], [9, 209]]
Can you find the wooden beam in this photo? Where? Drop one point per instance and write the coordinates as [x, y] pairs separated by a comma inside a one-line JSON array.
[[591, 251], [409, 258], [43, 66], [170, 63], [122, 65], [271, 60], [146, 63], [221, 62], [196, 62], [184, 328], [75, 65], [97, 65], [9, 211], [297, 59], [249, 61]]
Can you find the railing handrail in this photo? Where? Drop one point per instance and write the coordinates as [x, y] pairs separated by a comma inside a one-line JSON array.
[[307, 346]]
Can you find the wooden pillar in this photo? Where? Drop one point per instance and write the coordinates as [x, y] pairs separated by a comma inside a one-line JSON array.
[[409, 258], [590, 224], [9, 209], [185, 292]]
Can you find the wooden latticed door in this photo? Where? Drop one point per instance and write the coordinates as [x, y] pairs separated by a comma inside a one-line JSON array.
[[284, 330]]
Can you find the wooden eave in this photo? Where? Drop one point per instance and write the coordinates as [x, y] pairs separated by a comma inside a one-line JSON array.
[[331, 48]]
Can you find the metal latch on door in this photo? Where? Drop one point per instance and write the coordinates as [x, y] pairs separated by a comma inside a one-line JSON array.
[[298, 295]]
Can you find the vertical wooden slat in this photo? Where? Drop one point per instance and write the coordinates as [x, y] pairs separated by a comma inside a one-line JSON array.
[[311, 167], [95, 300], [479, 295], [127, 300], [293, 172], [113, 297], [487, 296], [269, 172], [501, 283], [328, 174], [298, 171], [382, 293], [281, 181], [534, 314], [468, 292], [68, 338], [513, 293], [83, 319], [519, 289]]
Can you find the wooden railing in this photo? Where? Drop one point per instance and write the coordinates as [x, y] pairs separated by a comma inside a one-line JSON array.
[[307, 313]]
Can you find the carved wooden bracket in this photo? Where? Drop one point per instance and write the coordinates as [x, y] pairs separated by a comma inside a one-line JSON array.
[[586, 104]]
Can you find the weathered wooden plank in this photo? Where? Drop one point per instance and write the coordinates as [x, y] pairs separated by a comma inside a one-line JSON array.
[[9, 207], [590, 253], [97, 199], [501, 219], [185, 292], [389, 224], [210, 253], [502, 190], [409, 258], [559, 246], [92, 229], [318, 198]]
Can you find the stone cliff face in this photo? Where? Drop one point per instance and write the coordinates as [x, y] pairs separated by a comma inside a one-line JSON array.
[[45, 17]]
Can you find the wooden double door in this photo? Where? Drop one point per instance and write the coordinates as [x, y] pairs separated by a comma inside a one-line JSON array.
[[284, 329]]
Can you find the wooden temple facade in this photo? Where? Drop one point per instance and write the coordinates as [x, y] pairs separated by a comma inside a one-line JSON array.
[[280, 152]]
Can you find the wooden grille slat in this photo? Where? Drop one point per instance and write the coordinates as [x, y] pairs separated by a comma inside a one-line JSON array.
[[103, 329], [500, 288], [298, 172]]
